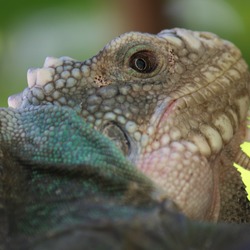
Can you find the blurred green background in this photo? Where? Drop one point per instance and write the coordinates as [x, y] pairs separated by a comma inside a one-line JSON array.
[[30, 30]]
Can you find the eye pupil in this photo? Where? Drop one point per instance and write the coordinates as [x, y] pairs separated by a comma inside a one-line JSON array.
[[140, 64], [143, 61]]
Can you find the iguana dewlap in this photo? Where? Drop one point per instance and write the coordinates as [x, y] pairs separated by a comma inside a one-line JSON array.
[[175, 103]]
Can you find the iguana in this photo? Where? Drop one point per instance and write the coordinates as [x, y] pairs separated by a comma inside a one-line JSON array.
[[150, 122]]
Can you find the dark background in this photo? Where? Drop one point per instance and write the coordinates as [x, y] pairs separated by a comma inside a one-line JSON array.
[[30, 30]]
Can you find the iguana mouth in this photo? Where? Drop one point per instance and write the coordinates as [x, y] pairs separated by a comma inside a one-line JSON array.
[[168, 110], [162, 111]]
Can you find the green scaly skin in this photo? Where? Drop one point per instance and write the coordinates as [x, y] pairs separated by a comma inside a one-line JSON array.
[[57, 171]]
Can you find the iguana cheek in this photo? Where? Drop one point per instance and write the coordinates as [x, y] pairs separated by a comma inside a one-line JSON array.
[[186, 177]]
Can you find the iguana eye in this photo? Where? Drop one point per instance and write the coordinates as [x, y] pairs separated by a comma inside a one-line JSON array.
[[143, 61]]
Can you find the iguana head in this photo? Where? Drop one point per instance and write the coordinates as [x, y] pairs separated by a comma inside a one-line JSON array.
[[172, 102]]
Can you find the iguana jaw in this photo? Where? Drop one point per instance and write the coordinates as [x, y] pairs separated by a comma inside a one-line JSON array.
[[177, 166]]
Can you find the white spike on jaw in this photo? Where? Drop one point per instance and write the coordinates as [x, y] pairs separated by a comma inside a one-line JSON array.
[[40, 77], [52, 62], [44, 75], [31, 77], [15, 101]]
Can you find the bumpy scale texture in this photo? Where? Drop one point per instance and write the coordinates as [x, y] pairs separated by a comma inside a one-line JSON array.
[[174, 106]]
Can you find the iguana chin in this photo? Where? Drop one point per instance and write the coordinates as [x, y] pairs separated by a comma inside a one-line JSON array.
[[175, 104]]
